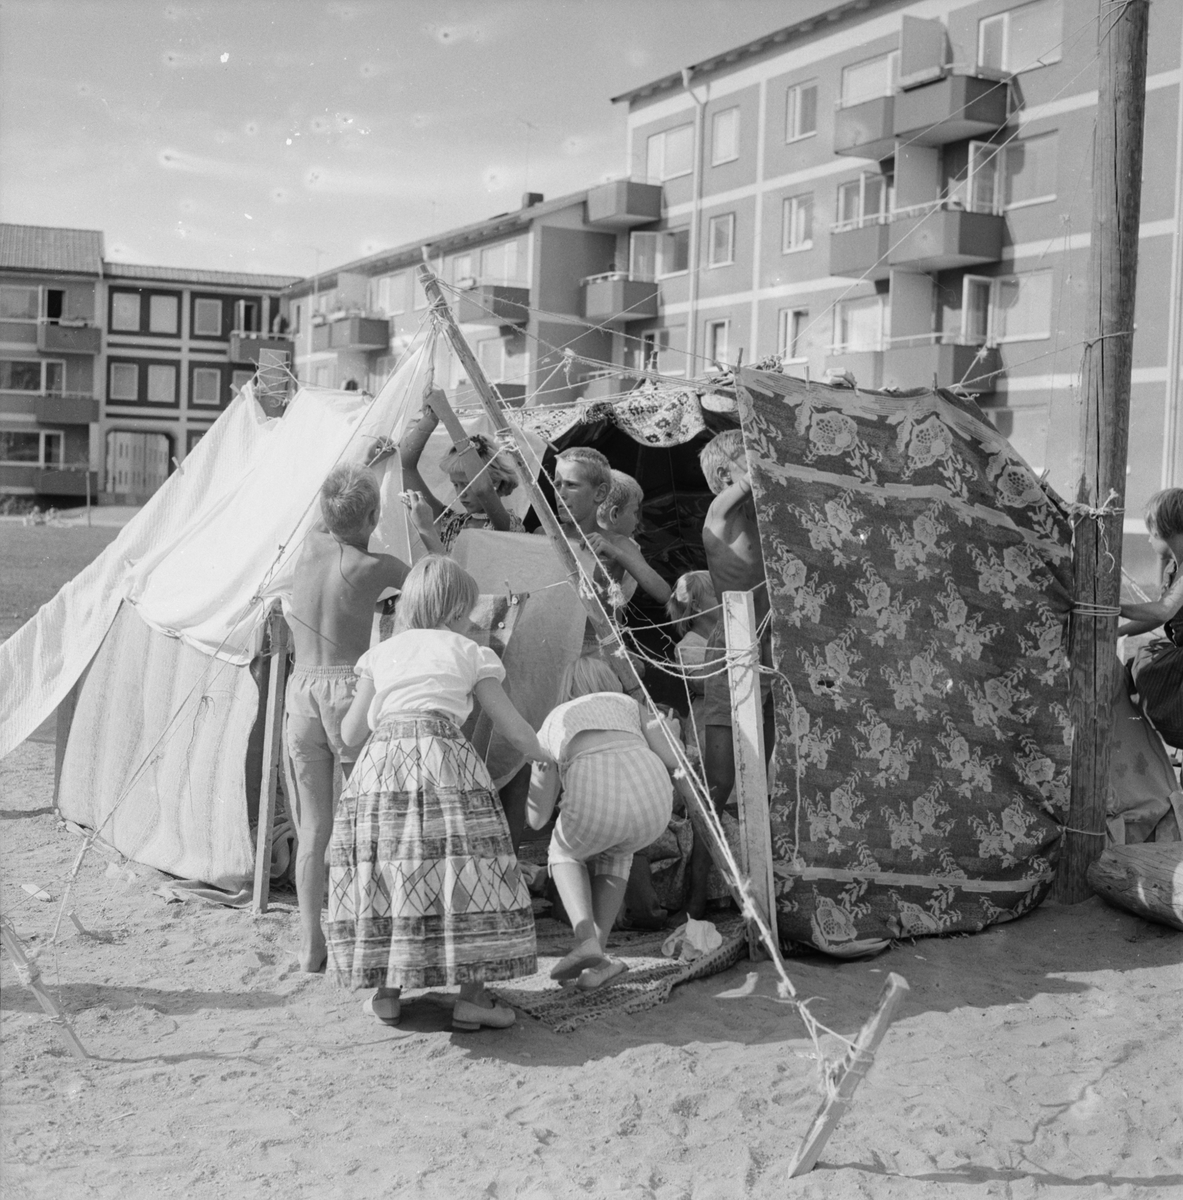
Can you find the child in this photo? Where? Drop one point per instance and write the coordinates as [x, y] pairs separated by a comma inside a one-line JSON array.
[[424, 886], [612, 764], [480, 502], [731, 542], [1157, 668], [618, 517], [693, 607], [337, 583]]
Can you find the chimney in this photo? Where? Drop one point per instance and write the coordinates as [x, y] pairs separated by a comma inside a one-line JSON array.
[[529, 199]]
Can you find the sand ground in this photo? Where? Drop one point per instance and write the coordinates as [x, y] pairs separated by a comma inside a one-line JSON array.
[[1040, 1058]]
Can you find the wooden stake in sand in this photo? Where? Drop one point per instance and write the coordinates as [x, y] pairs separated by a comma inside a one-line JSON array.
[[847, 1075], [277, 631], [30, 975]]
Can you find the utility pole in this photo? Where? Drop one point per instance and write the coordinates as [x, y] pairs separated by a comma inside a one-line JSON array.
[[1104, 433]]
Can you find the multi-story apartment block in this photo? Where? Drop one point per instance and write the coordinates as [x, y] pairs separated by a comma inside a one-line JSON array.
[[50, 358], [903, 190], [524, 286]]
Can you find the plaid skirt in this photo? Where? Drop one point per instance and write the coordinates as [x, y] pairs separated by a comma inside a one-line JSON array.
[[424, 887]]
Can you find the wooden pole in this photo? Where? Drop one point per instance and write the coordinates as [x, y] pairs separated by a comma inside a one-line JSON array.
[[272, 748], [751, 774], [1104, 433], [29, 974]]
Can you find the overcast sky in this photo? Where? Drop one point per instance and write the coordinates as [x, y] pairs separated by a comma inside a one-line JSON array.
[[245, 134]]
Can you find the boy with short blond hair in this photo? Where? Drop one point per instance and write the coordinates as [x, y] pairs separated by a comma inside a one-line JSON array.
[[618, 518]]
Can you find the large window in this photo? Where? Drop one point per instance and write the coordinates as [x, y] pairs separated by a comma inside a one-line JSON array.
[[502, 263], [1022, 38], [976, 293], [125, 312], [163, 314], [47, 376], [863, 201], [670, 154], [977, 187], [1029, 171], [725, 136], [859, 324], [145, 312], [869, 79], [503, 360], [655, 255], [390, 294], [40, 448], [801, 111], [721, 240], [207, 386], [797, 223], [717, 339], [142, 382], [790, 335], [162, 383], [19, 303]]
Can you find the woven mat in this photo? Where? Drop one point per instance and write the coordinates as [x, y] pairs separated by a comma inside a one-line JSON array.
[[650, 979]]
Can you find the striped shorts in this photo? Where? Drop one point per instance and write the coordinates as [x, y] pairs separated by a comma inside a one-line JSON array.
[[615, 802]]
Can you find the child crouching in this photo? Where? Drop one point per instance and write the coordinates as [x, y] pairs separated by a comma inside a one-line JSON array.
[[424, 887], [617, 799]]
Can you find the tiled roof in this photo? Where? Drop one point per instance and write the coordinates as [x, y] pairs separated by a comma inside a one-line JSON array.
[[246, 279], [44, 248]]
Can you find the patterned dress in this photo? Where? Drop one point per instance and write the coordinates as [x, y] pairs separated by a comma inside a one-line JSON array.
[[424, 887], [450, 524]]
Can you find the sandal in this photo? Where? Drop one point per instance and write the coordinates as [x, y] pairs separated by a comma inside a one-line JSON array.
[[593, 980], [386, 1008], [469, 1016]]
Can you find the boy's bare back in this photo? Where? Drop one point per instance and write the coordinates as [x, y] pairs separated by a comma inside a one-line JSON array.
[[731, 542], [336, 588]]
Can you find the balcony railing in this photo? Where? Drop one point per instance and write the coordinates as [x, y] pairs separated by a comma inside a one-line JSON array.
[[948, 357], [245, 345], [617, 297], [351, 332], [69, 337], [864, 127], [951, 109], [493, 304], [623, 203], [943, 234]]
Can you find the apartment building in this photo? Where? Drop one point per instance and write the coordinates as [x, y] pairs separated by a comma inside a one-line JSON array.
[[518, 284], [51, 355], [903, 190]]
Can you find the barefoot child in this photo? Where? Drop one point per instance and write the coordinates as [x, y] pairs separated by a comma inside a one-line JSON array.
[[612, 764], [731, 542], [694, 608], [424, 886], [337, 583], [478, 505], [618, 518]]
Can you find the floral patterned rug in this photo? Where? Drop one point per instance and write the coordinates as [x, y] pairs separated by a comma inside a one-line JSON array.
[[919, 577]]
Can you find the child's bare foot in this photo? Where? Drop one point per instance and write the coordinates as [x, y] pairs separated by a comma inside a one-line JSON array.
[[586, 954], [314, 958]]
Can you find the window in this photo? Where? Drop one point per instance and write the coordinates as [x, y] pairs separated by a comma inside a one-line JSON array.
[[162, 383], [207, 385], [976, 291], [40, 448], [1022, 307], [977, 188], [790, 337], [462, 269], [721, 240], [123, 382], [859, 324], [670, 154], [645, 356], [239, 380], [797, 232], [55, 305], [246, 316], [323, 377], [500, 264], [869, 79], [207, 318], [863, 201], [192, 437], [716, 341], [162, 314], [125, 312], [656, 255], [390, 294], [503, 360], [801, 111], [1029, 171], [32, 375], [1022, 38], [19, 303], [725, 136]]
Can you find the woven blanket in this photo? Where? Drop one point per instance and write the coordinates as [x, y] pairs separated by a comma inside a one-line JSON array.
[[918, 574], [650, 979]]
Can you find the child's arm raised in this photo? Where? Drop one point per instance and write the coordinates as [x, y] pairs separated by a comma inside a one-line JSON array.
[[424, 521], [410, 450], [625, 552], [544, 791], [507, 720], [355, 726], [1156, 612]]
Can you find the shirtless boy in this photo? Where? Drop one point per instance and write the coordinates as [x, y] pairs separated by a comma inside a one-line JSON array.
[[732, 545], [337, 584], [618, 518]]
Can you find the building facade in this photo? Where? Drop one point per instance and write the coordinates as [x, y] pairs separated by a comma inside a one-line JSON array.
[[903, 190]]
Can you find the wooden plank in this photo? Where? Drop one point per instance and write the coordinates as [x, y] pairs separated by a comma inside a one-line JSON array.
[[277, 630], [1104, 435], [848, 1075], [29, 974], [751, 773], [1145, 879]]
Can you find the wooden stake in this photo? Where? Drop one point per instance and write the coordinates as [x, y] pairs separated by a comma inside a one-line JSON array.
[[751, 774], [30, 975], [1104, 433], [277, 639], [850, 1071]]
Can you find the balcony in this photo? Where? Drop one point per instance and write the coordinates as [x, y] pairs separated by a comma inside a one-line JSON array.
[[866, 130], [865, 365], [623, 204], [493, 304], [350, 332], [616, 298], [77, 408], [935, 237], [57, 338], [61, 482], [245, 346], [950, 110], [916, 362], [860, 249]]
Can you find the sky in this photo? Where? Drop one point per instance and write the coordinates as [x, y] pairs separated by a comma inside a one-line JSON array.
[[294, 135]]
